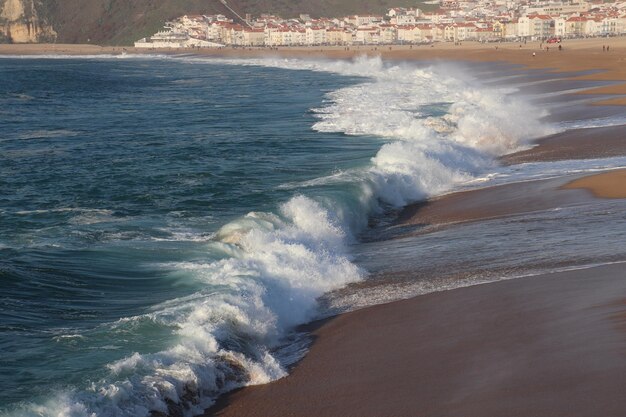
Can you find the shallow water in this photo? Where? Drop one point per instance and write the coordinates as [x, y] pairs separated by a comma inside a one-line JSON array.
[[165, 223], [568, 237]]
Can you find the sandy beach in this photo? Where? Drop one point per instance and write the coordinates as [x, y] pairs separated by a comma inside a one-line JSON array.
[[606, 185], [602, 142], [577, 55], [547, 345], [493, 202]]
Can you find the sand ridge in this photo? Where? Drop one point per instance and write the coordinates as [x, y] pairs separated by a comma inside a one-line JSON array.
[[610, 184]]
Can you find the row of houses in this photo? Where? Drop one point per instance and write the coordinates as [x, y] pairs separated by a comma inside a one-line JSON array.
[[459, 21]]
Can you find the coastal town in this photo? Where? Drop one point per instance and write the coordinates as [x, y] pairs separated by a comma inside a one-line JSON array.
[[451, 21]]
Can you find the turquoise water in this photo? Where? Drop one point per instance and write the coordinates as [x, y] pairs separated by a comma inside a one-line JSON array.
[[111, 172], [166, 223]]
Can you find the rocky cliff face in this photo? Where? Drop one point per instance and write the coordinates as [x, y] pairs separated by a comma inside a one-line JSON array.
[[21, 22]]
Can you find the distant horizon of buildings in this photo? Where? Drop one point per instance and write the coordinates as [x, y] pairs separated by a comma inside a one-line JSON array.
[[453, 21]]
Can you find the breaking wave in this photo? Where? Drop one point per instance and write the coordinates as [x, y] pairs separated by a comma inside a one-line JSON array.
[[438, 130]]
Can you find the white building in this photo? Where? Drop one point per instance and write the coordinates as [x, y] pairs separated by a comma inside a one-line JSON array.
[[171, 39], [557, 8], [315, 36]]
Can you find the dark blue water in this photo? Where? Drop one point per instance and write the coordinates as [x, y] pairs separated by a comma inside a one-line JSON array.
[[110, 170]]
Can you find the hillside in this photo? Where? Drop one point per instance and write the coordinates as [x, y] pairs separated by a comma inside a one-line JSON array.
[[120, 22]]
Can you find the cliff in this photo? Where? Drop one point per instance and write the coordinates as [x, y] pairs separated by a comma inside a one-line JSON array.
[[20, 22]]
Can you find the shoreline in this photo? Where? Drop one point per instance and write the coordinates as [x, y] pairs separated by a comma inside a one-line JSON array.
[[352, 370], [611, 184], [608, 68], [581, 57], [492, 202], [587, 143], [342, 346], [548, 345], [511, 199]]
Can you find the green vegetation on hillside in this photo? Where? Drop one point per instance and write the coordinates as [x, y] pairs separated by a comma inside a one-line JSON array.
[[121, 22]]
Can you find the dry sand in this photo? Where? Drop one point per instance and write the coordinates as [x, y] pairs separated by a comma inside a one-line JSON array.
[[549, 346], [606, 185]]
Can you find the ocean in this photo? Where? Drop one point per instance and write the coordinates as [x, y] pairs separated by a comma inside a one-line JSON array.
[[167, 223]]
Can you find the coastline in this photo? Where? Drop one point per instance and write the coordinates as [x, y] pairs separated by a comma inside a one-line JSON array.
[[495, 379], [510, 200], [590, 143], [610, 184], [583, 56], [547, 345], [492, 202], [550, 344]]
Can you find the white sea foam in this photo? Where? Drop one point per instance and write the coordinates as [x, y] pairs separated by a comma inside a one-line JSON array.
[[273, 267], [428, 152], [277, 267], [545, 170], [592, 123]]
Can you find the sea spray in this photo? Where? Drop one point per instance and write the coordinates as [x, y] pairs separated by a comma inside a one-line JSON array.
[[443, 128], [268, 270], [275, 268], [297, 256]]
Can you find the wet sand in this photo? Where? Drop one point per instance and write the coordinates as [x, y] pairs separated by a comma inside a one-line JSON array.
[[606, 185], [492, 202], [511, 199], [601, 142], [549, 345]]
